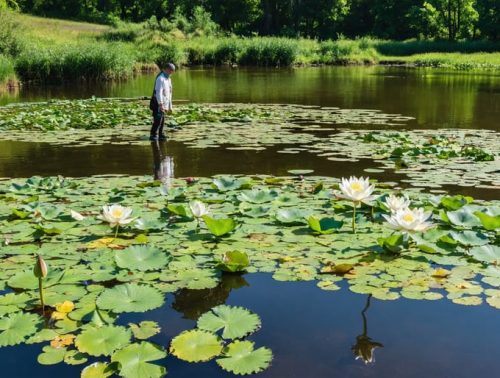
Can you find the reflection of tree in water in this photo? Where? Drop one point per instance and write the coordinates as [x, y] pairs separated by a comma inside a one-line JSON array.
[[365, 346], [193, 303]]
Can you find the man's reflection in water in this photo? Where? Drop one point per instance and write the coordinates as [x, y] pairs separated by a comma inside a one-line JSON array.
[[193, 303], [163, 164], [365, 346]]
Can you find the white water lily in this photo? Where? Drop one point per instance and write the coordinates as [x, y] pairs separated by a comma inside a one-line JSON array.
[[116, 216], [357, 189], [198, 209], [395, 203], [410, 220], [76, 215]]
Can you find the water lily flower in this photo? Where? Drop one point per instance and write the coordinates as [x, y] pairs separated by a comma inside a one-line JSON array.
[[116, 216], [395, 203], [76, 215], [410, 220], [198, 209], [356, 190]]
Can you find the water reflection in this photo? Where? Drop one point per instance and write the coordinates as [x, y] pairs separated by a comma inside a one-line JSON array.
[[364, 347], [193, 303], [164, 166]]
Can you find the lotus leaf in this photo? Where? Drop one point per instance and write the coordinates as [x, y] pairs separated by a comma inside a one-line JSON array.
[[486, 253], [233, 261], [489, 222], [102, 341], [16, 328], [241, 358], [235, 322], [142, 258], [98, 370], [130, 297], [257, 196], [196, 346], [51, 356], [219, 227], [291, 216], [324, 225], [134, 360], [145, 329]]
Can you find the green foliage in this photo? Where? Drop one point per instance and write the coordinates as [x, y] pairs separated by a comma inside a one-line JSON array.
[[91, 62], [241, 358], [235, 322], [134, 360], [16, 328], [233, 261], [142, 258], [7, 73], [130, 298], [219, 227], [103, 340], [196, 346]]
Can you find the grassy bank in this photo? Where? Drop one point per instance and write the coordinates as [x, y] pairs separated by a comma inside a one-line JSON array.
[[48, 50]]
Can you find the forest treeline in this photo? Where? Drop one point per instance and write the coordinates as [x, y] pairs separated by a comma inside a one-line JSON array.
[[321, 19]]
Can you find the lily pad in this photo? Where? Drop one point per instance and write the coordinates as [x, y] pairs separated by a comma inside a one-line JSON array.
[[324, 225], [16, 328], [145, 329], [241, 358], [219, 227], [196, 346], [102, 341], [235, 322], [142, 258], [135, 360], [130, 297]]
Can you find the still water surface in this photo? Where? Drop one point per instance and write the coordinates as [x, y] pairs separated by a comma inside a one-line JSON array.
[[310, 331]]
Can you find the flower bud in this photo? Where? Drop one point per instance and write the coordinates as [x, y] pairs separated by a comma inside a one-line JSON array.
[[40, 270]]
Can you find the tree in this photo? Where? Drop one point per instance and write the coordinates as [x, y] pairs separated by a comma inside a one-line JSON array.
[[489, 18], [458, 17]]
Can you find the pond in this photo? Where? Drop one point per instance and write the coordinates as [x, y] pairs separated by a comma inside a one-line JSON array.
[[337, 122]]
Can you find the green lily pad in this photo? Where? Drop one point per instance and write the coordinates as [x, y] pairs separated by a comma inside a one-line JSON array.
[[235, 322], [16, 328], [219, 227], [489, 222], [145, 329], [196, 346], [486, 253], [324, 225], [135, 360], [98, 370], [233, 261], [102, 341], [51, 356], [291, 216], [142, 258], [130, 297], [241, 358], [258, 196]]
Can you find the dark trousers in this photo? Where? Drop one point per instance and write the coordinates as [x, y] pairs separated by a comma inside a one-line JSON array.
[[158, 122]]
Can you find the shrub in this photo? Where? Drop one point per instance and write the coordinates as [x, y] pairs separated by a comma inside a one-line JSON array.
[[278, 52], [93, 61], [165, 53], [7, 72], [11, 42], [228, 51]]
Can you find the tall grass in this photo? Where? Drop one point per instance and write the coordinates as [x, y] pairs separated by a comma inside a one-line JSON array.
[[411, 47], [74, 62], [7, 73], [455, 61]]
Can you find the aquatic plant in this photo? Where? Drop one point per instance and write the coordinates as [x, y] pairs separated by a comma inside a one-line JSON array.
[[357, 190], [40, 271]]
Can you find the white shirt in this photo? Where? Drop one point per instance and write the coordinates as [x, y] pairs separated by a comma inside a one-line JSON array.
[[163, 90]]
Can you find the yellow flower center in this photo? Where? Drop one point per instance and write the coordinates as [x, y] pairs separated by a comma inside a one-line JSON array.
[[408, 218], [117, 213], [356, 186]]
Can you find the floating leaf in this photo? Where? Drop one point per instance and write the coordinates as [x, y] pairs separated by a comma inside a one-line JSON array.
[[51, 356], [135, 360], [291, 216], [489, 222], [219, 227], [98, 370], [102, 341], [241, 358], [145, 329], [324, 225], [142, 258], [16, 328], [235, 322], [258, 196], [196, 346], [233, 261], [130, 297], [486, 253]]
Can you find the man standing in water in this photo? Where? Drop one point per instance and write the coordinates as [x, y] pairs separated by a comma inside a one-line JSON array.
[[161, 101]]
